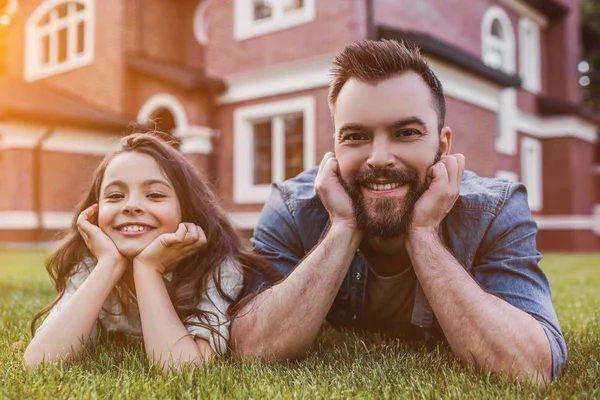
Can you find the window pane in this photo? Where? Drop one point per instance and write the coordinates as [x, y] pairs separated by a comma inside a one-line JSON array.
[[45, 49], [63, 10], [44, 20], [294, 144], [262, 152], [262, 9], [62, 45], [290, 5], [497, 29], [80, 37]]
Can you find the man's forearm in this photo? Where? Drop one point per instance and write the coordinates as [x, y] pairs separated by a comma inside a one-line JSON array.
[[283, 321], [480, 327]]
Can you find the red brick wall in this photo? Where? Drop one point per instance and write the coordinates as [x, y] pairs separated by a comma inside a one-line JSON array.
[[557, 240], [66, 177], [568, 176], [473, 134], [100, 83], [16, 186], [337, 23]]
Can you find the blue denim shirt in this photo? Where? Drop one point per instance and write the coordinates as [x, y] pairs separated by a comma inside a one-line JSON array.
[[489, 230]]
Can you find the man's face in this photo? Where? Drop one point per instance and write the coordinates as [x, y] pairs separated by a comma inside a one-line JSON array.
[[386, 138]]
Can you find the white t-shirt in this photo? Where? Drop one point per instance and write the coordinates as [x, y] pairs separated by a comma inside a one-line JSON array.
[[114, 319]]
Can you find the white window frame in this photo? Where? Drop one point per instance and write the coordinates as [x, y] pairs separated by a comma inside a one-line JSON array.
[[530, 55], [509, 175], [33, 39], [244, 190], [506, 141], [490, 42], [531, 171], [246, 27], [200, 23]]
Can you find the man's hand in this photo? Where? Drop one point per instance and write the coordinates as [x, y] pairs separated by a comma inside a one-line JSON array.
[[167, 250], [100, 245], [437, 201], [333, 195]]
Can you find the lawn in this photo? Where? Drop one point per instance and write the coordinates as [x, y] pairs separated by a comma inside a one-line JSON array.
[[341, 365]]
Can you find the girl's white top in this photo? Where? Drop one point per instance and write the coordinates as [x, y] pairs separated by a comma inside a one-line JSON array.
[[113, 318]]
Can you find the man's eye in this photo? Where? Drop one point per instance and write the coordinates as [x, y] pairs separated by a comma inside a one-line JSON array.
[[354, 137], [407, 133]]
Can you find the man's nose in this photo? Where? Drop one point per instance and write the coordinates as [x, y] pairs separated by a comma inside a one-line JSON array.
[[381, 156]]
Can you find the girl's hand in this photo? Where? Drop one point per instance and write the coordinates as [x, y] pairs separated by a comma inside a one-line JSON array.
[[101, 246], [167, 250]]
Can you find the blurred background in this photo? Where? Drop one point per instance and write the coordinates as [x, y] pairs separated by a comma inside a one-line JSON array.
[[242, 86]]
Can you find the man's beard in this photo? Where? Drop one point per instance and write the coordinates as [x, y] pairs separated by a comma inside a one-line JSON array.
[[386, 217]]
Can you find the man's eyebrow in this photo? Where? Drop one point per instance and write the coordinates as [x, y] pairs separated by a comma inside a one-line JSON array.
[[408, 121]]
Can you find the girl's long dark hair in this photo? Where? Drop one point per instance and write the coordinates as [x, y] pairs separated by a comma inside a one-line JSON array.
[[199, 205]]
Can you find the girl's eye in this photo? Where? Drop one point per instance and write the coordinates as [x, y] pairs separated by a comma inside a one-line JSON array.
[[156, 195], [114, 196]]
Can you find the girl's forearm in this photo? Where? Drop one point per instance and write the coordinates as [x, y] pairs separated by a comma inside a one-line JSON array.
[[64, 335], [166, 339]]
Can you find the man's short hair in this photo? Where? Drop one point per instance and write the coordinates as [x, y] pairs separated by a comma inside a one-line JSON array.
[[374, 61]]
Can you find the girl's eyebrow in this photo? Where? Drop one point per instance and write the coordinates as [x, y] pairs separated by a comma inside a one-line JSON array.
[[147, 182]]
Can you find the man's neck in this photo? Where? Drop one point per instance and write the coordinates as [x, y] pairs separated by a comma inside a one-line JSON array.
[[386, 257]]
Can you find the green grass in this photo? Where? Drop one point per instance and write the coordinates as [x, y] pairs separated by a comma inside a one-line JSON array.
[[341, 365]]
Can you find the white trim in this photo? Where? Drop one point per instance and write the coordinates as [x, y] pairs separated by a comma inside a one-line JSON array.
[[80, 142], [281, 79], [557, 127], [20, 136], [525, 10], [195, 139], [506, 138], [201, 23], [532, 172], [565, 222], [18, 220], [26, 220], [246, 27], [244, 190], [466, 87], [244, 220], [530, 59], [597, 218], [34, 35], [57, 219], [510, 175], [490, 42], [163, 100]]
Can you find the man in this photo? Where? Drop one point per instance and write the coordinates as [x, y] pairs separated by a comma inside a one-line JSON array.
[[389, 235]]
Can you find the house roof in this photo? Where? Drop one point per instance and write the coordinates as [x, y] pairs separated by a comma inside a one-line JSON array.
[[430, 45], [187, 78], [37, 102], [551, 8]]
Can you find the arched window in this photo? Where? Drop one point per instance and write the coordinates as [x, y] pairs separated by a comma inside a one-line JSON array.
[[59, 36], [498, 40]]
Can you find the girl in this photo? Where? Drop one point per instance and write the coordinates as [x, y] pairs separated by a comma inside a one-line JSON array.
[[152, 256]]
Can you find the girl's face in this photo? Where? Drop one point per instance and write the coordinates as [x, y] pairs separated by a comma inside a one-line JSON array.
[[137, 203]]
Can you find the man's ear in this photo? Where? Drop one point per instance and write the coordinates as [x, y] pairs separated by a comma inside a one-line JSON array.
[[446, 140]]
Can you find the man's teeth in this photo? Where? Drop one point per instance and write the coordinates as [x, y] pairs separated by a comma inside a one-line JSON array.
[[134, 228], [376, 186]]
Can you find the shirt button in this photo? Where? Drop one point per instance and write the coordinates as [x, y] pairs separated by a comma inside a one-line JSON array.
[[358, 276], [354, 316]]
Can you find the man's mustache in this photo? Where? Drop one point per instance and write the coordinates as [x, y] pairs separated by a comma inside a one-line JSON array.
[[390, 175]]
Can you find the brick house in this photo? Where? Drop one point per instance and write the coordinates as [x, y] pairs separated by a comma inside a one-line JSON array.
[[243, 85]]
